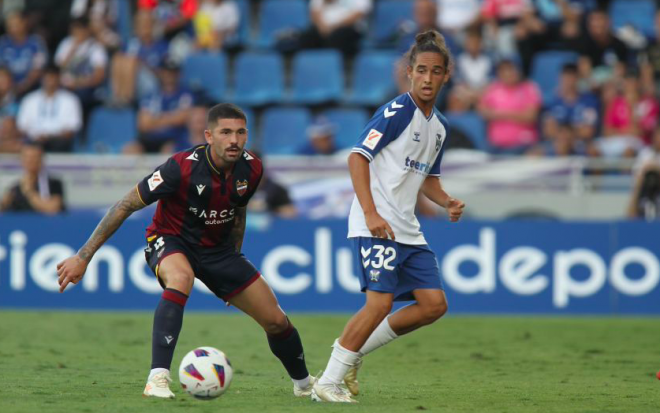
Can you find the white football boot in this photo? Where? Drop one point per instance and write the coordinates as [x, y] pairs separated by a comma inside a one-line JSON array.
[[307, 391], [159, 386], [350, 379], [331, 393]]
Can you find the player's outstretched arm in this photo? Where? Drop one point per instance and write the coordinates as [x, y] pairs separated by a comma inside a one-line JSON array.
[[72, 269], [358, 166], [432, 188], [238, 231]]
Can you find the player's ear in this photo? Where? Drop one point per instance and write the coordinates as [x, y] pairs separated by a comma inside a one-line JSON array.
[[207, 136], [409, 71]]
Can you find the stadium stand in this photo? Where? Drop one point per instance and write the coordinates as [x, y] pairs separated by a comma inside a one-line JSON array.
[[110, 129], [207, 72], [283, 130], [277, 16], [258, 78], [318, 77], [349, 124], [373, 78]]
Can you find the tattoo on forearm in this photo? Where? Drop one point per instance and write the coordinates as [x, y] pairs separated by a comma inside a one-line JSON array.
[[238, 231], [110, 223]]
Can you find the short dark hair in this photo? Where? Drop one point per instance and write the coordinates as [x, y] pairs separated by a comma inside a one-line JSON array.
[[570, 68], [225, 111], [52, 68], [430, 41]]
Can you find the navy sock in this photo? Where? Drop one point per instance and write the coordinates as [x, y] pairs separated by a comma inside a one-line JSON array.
[[167, 326], [288, 347]]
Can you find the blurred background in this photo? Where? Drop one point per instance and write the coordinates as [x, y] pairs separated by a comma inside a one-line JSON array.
[[554, 141]]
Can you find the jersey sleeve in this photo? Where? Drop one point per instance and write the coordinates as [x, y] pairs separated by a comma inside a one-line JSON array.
[[385, 126], [162, 183], [435, 169]]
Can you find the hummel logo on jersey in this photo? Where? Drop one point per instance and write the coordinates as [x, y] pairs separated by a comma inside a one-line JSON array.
[[396, 105], [389, 114], [169, 339], [193, 156], [438, 142], [200, 188], [365, 253], [416, 136], [372, 139]]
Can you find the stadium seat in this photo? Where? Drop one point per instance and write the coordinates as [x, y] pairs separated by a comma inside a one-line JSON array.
[[471, 124], [388, 16], [349, 123], [318, 77], [242, 35], [276, 16], [546, 69], [124, 21], [258, 78], [373, 78], [110, 129], [283, 130], [206, 72], [637, 13]]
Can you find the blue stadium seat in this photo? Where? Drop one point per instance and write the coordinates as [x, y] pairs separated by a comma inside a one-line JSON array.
[[388, 16], [349, 123], [473, 125], [318, 77], [638, 13], [242, 35], [258, 78], [373, 78], [546, 69], [206, 72], [124, 21], [278, 15], [110, 129], [283, 130]]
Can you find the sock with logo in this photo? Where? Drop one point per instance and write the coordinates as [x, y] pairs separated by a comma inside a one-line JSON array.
[[288, 347], [382, 335], [167, 326], [340, 361]]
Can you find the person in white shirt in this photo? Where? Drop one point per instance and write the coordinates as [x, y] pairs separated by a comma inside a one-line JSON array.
[[397, 156], [51, 115], [214, 22], [474, 70], [336, 24]]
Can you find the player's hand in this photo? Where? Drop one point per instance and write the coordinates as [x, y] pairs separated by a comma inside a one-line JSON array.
[[71, 270], [455, 209], [378, 226]]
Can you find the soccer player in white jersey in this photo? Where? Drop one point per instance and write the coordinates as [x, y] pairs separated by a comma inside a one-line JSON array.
[[397, 155]]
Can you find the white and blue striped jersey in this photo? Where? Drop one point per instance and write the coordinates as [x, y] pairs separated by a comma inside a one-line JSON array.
[[403, 147]]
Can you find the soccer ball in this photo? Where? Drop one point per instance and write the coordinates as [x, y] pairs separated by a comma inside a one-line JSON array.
[[205, 373]]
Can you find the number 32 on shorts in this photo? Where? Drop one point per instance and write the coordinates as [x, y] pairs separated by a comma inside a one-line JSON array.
[[378, 256]]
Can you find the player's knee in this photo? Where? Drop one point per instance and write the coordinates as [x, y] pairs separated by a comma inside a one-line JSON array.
[[380, 309], [433, 311], [180, 281], [275, 323]]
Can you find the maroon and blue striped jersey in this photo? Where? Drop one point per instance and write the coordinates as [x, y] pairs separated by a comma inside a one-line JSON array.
[[196, 200]]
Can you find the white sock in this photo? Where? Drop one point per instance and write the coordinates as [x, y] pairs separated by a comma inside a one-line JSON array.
[[382, 335], [155, 371], [340, 361], [301, 384]]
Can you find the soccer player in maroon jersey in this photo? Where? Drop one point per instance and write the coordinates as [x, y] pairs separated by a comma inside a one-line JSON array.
[[197, 232]]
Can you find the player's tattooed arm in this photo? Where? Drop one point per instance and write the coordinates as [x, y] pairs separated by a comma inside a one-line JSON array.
[[112, 220], [238, 231]]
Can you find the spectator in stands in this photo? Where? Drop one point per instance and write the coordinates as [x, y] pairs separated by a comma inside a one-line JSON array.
[[645, 199], [50, 116], [103, 18], [455, 16], [82, 60], [629, 120], [321, 138], [472, 74], [571, 107], [424, 19], [214, 22], [24, 54], [174, 20], [649, 154], [564, 142], [8, 106], [337, 24], [197, 125], [602, 55], [10, 137], [650, 60], [501, 18], [134, 70], [162, 117], [511, 107], [272, 197], [36, 191]]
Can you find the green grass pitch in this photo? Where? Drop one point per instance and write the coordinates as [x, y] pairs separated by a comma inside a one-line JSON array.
[[97, 362]]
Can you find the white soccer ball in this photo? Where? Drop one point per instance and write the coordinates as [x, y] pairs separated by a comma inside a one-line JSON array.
[[205, 373]]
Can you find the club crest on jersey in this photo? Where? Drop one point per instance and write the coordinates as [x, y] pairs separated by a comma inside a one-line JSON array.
[[416, 136], [374, 275], [241, 187]]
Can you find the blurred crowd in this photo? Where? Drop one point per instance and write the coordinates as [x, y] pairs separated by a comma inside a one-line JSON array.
[[60, 60]]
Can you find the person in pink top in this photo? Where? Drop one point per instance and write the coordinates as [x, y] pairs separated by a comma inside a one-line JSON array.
[[511, 107]]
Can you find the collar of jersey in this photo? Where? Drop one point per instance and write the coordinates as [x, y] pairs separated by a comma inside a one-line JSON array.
[[210, 161], [414, 103]]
